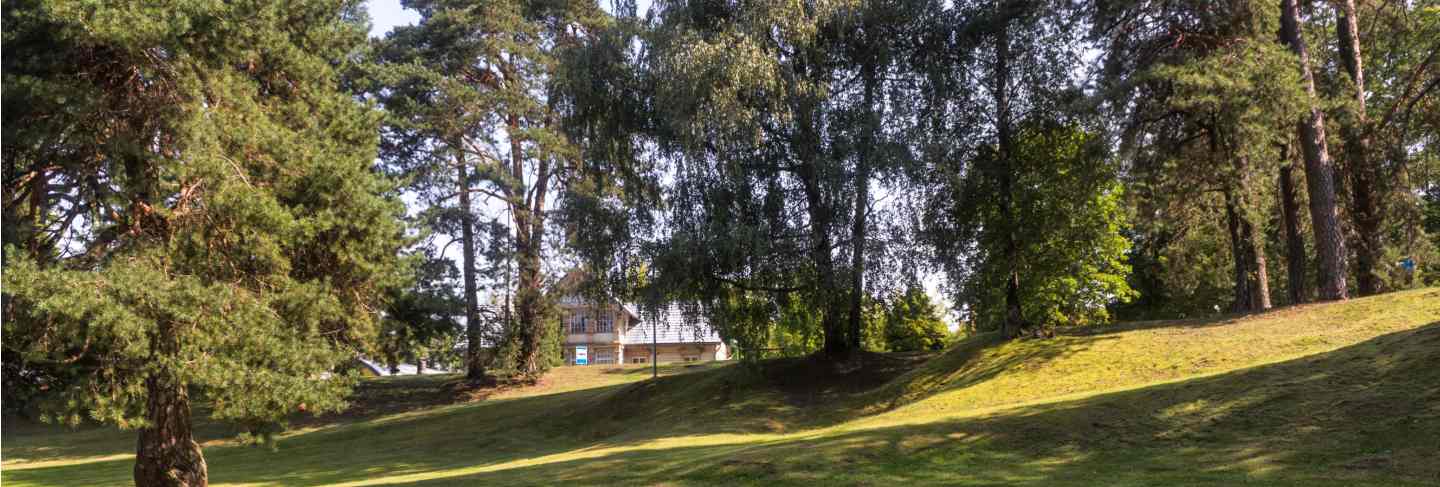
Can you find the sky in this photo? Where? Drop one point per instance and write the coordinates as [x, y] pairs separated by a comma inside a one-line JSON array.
[[386, 14]]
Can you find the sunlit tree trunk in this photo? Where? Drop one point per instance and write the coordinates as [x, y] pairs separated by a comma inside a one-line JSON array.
[[166, 454], [1319, 171]]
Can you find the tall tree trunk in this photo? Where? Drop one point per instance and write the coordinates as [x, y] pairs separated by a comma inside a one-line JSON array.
[[862, 203], [1295, 261], [474, 366], [1319, 172], [1014, 311], [166, 454], [1252, 276], [528, 208], [836, 347], [1241, 286], [1259, 272], [1366, 212]]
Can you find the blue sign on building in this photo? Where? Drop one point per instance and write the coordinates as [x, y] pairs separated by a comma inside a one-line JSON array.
[[582, 355]]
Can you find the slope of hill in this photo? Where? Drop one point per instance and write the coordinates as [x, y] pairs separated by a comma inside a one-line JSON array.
[[1330, 394]]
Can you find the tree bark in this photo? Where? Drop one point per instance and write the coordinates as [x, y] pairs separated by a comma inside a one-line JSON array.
[[1014, 311], [836, 347], [1241, 287], [527, 205], [862, 203], [1319, 171], [166, 454], [474, 366], [1295, 261], [1257, 269], [528, 210], [1366, 211], [1252, 287]]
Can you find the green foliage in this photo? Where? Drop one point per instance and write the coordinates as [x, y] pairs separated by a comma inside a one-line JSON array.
[[474, 109], [1071, 250], [913, 323], [421, 321], [761, 328], [214, 217]]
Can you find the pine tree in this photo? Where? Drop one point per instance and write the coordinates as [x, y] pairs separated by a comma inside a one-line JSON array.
[[204, 216], [1319, 170], [473, 83]]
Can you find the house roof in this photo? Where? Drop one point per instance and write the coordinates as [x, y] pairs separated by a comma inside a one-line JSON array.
[[671, 326], [405, 369], [567, 286]]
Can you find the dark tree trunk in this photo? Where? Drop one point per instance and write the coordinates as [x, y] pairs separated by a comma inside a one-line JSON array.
[[1258, 272], [474, 366], [166, 454], [1004, 174], [862, 203], [1241, 286], [836, 346], [1295, 261], [1366, 212], [527, 310], [1252, 286], [1319, 172], [528, 210], [419, 365]]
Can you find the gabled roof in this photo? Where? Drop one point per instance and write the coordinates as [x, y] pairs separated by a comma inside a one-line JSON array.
[[672, 327], [572, 280]]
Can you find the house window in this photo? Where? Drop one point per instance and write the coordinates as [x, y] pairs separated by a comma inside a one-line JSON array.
[[691, 358], [638, 360], [604, 357], [603, 324], [577, 324]]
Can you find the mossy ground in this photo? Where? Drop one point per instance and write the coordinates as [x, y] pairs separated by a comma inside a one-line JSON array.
[[1327, 394]]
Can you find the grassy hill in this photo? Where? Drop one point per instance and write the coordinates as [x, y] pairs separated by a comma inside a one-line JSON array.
[[1329, 394]]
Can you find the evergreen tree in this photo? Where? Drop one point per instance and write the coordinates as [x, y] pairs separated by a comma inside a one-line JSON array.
[[474, 82], [420, 319], [201, 213], [1319, 170]]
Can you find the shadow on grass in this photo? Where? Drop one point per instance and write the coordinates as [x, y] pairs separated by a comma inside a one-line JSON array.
[[1367, 413]]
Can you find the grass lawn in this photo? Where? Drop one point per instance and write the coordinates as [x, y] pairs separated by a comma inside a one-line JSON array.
[[1328, 394]]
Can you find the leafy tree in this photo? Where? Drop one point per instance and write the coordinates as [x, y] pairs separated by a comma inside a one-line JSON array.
[[1206, 100], [1072, 266], [913, 323], [202, 216], [766, 155]]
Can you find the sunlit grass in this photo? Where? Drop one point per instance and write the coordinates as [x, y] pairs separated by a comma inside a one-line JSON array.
[[1334, 394]]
